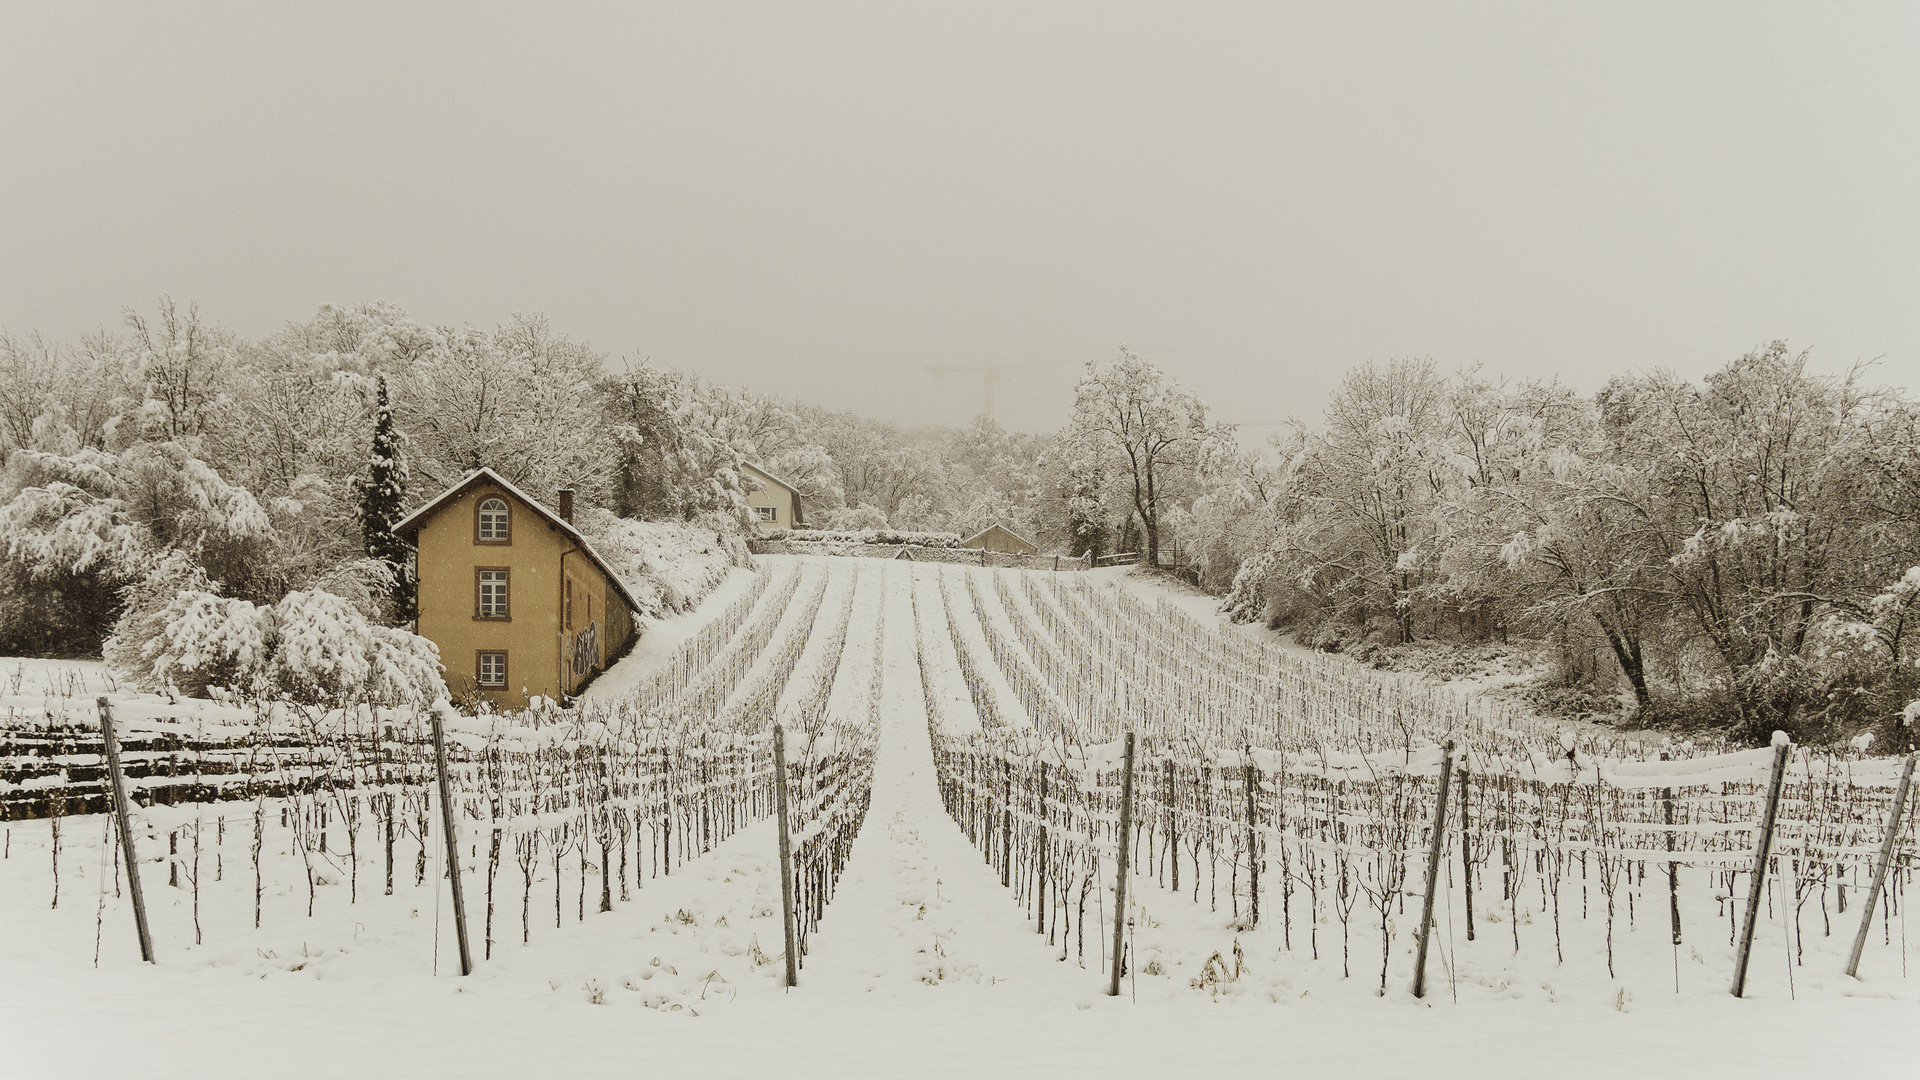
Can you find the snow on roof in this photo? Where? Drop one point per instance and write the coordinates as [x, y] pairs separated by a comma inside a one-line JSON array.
[[409, 526], [799, 518], [1002, 528]]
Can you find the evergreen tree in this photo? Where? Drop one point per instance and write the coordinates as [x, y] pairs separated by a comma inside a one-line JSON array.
[[382, 495]]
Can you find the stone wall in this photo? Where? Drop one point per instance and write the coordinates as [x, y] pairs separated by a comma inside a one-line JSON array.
[[963, 556]]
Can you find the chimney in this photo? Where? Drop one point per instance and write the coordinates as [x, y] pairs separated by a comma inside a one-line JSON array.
[[566, 505]]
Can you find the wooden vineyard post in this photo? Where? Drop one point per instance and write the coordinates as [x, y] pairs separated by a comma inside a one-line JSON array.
[[1173, 825], [666, 812], [1673, 871], [1756, 891], [1120, 865], [119, 785], [973, 800], [1433, 870], [1466, 843], [1251, 774], [453, 843], [1006, 822], [786, 852], [1879, 866], [1041, 813]]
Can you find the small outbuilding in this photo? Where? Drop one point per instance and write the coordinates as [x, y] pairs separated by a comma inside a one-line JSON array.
[[517, 600], [997, 537], [772, 502]]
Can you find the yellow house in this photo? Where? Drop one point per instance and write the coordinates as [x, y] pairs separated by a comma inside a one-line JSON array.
[[515, 597], [997, 537], [772, 502]]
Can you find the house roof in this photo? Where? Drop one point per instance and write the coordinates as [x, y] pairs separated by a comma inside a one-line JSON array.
[[799, 518], [996, 525], [409, 526]]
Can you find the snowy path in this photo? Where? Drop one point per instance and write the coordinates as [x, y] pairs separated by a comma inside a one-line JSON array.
[[918, 907], [660, 637]]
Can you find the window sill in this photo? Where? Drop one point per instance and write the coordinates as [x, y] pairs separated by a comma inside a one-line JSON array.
[[493, 618]]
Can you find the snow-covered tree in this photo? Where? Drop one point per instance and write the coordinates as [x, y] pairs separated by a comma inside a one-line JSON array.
[[1769, 514], [76, 527], [69, 547], [1155, 432], [184, 368], [1353, 518], [676, 456], [1574, 540], [382, 494], [519, 399]]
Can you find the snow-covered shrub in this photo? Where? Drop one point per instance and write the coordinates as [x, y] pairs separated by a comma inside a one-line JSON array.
[[205, 640], [177, 633], [312, 647], [323, 649]]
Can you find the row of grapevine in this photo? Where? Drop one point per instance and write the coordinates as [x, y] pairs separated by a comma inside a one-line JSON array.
[[1285, 792], [599, 796]]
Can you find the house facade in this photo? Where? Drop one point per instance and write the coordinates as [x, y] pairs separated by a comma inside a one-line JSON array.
[[517, 600], [772, 503], [997, 537]]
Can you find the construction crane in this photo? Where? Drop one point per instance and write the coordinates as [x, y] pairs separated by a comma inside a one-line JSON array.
[[990, 375]]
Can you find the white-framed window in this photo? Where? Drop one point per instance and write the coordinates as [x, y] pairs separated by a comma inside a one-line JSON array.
[[492, 669], [766, 513], [490, 599], [493, 526]]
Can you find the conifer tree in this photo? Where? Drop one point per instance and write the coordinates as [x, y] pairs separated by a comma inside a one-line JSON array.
[[382, 494]]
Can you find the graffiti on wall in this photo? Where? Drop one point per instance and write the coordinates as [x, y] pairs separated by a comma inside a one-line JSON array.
[[586, 650]]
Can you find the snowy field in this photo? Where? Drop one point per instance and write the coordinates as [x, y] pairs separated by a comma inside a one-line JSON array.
[[923, 965]]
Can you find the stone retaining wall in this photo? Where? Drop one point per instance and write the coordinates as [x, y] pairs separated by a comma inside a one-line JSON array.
[[963, 556]]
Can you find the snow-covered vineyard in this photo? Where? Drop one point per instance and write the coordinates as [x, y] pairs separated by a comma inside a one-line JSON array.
[[971, 756]]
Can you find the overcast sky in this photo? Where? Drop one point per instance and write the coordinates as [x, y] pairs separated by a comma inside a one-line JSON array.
[[824, 201]]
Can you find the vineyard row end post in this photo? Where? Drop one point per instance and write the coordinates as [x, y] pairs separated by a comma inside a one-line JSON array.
[[453, 843], [1673, 870], [1120, 865], [1006, 822], [1040, 907], [112, 748], [1466, 841], [786, 853], [1433, 869], [1880, 865], [1250, 774], [1756, 890]]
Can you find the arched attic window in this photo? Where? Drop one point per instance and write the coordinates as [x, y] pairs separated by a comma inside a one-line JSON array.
[[493, 522]]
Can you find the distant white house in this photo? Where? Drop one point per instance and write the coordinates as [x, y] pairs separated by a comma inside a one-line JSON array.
[[773, 503]]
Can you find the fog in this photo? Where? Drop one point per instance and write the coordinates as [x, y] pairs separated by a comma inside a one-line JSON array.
[[826, 201]]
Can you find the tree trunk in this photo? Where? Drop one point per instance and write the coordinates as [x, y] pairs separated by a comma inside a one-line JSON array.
[[1627, 652]]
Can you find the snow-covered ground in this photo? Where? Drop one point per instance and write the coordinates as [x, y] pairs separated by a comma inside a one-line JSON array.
[[668, 566], [660, 636], [923, 965], [35, 692]]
